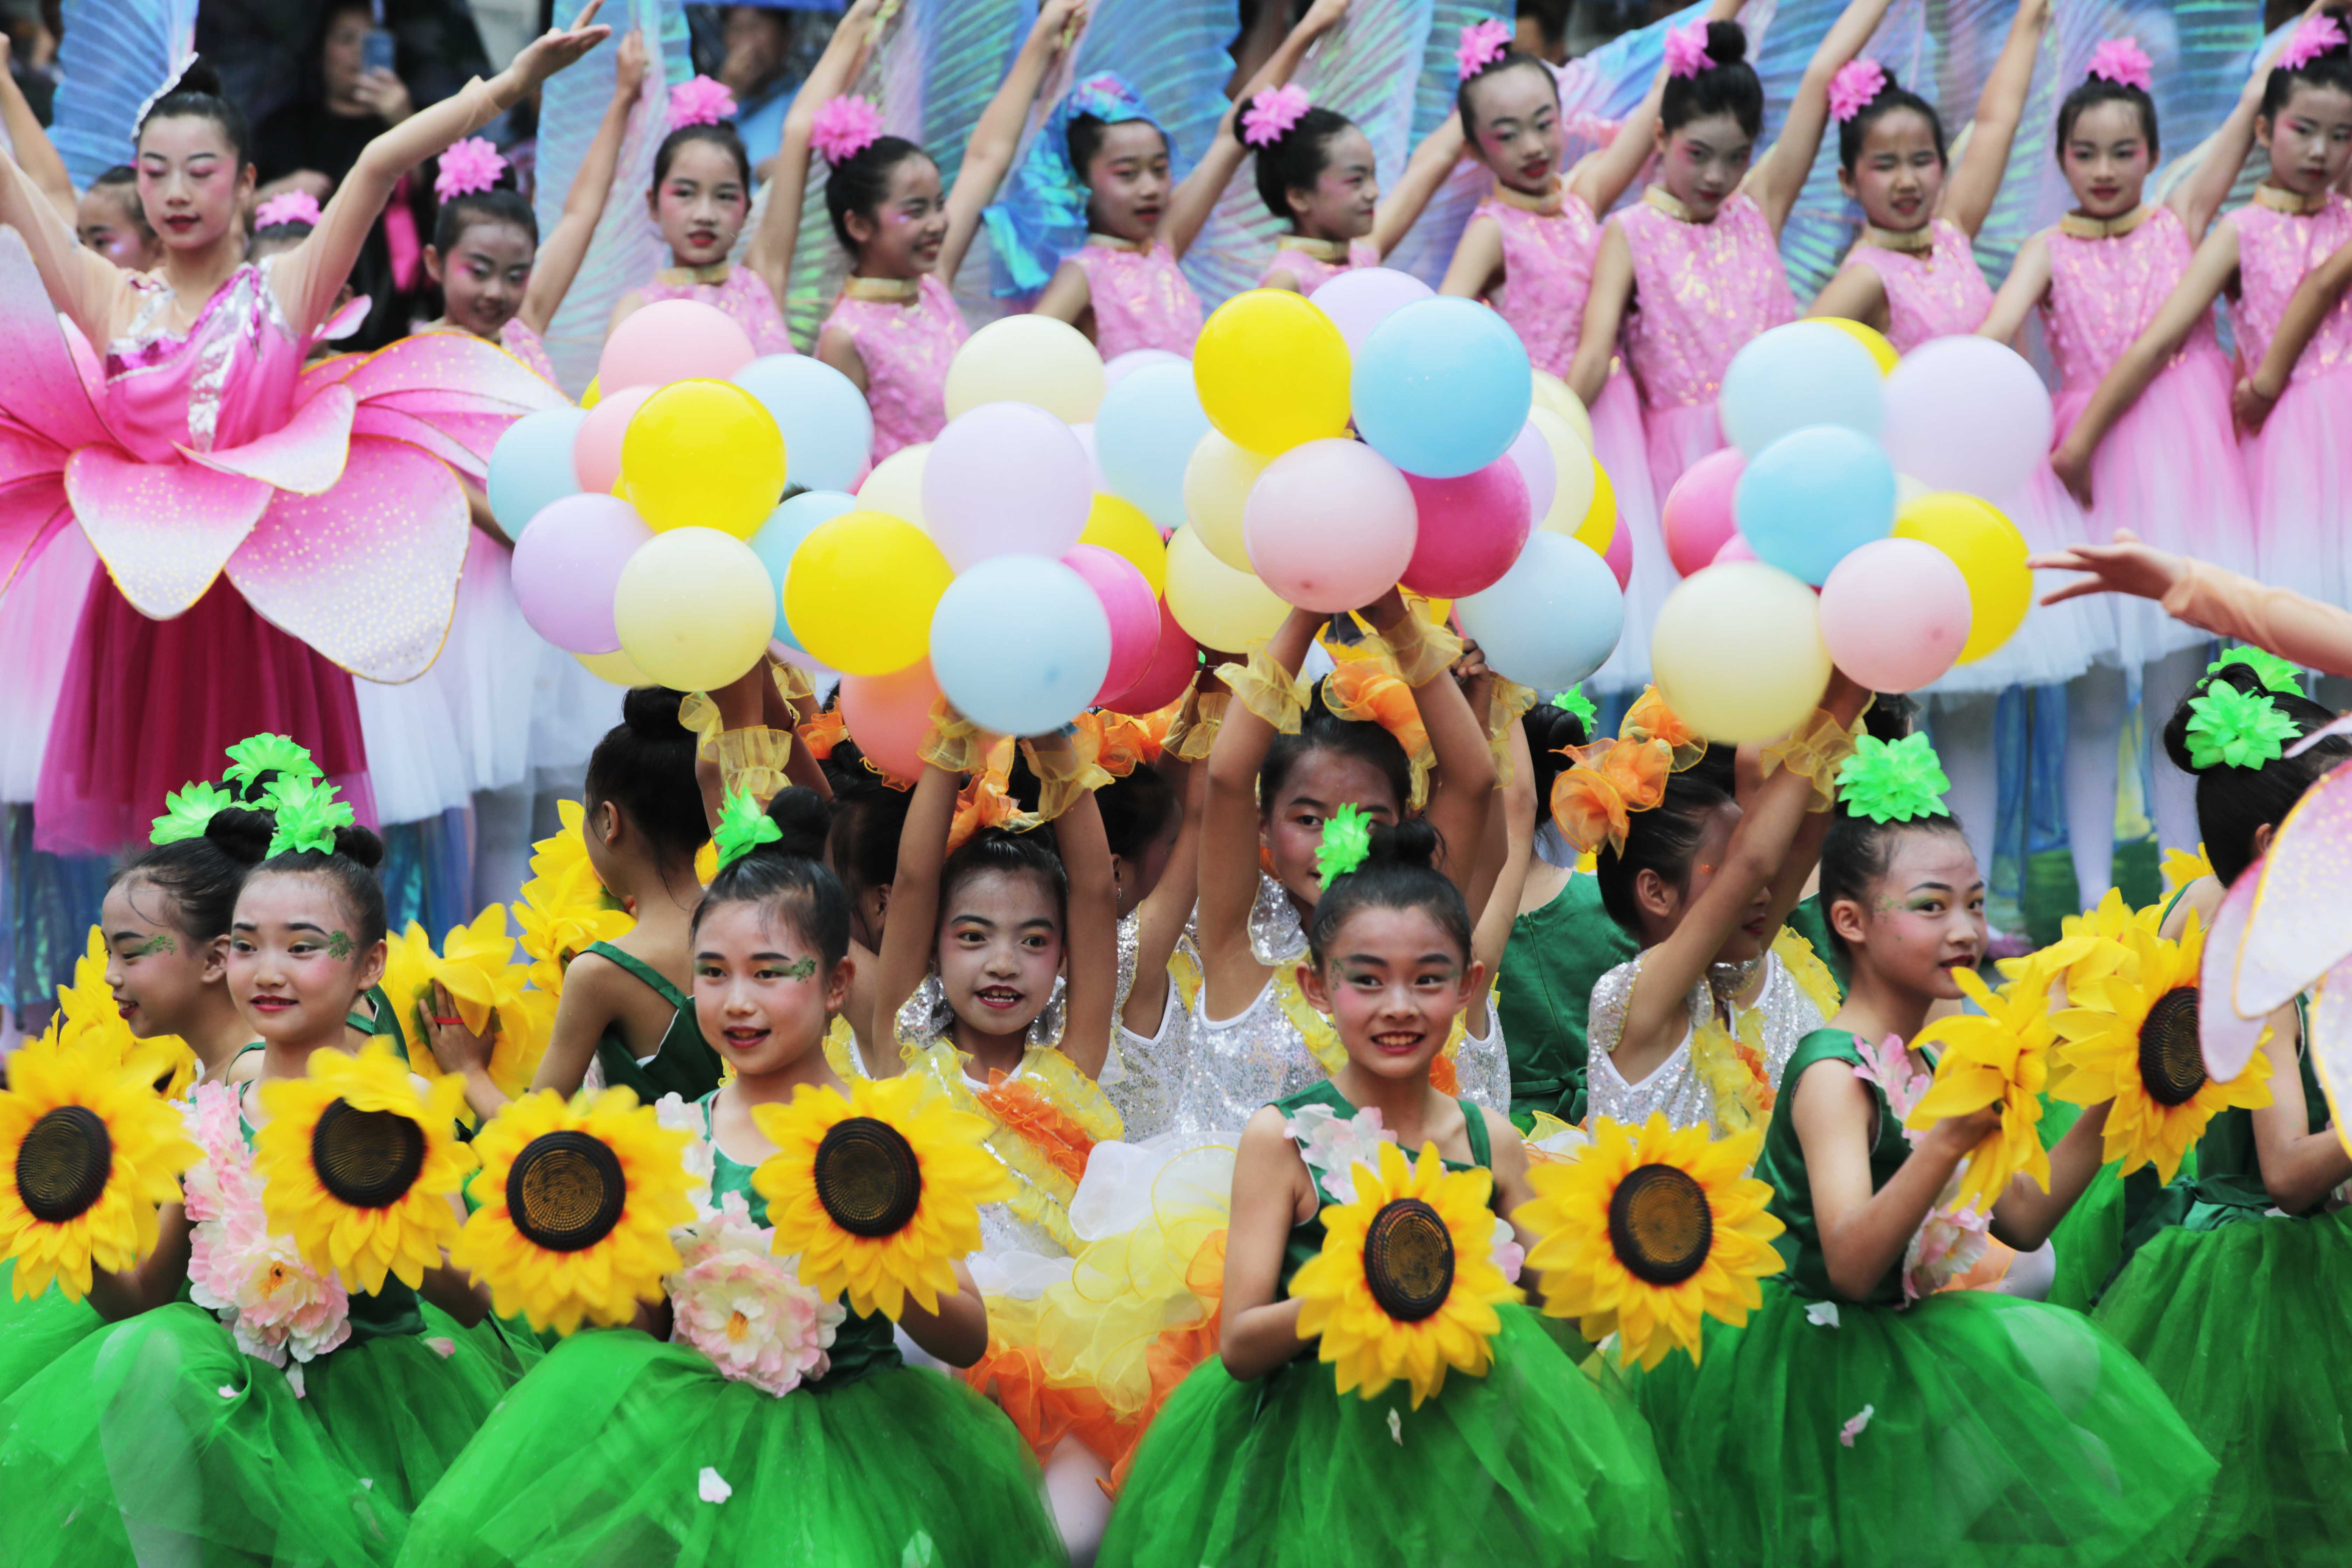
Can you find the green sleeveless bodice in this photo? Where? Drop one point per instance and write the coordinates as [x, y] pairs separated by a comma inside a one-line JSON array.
[[1544, 996], [379, 1021], [1307, 1237], [1782, 1163], [683, 1065]]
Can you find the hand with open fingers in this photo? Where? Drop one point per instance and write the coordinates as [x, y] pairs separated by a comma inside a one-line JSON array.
[[2126, 566]]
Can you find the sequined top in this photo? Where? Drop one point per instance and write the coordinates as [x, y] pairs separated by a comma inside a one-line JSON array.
[[1547, 273], [2103, 292], [517, 338], [228, 380], [1674, 1085], [1144, 1075], [1140, 297], [1938, 292], [1701, 291], [1312, 271], [742, 294], [2275, 249], [906, 345]]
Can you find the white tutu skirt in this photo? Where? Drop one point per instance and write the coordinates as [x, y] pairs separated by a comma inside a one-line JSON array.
[[2056, 642], [37, 619], [1622, 448], [2299, 472]]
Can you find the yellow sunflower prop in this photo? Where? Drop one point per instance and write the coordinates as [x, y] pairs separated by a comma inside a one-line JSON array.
[[87, 1015], [565, 908], [2132, 1037], [1650, 1232], [487, 990], [92, 1150], [2002, 1058], [577, 1204], [358, 1168], [2181, 867], [1406, 1286], [878, 1193]]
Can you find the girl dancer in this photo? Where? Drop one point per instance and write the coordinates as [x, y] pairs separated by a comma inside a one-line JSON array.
[[1315, 173]]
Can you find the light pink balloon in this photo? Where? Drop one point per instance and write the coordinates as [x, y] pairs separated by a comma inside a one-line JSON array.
[[596, 449], [1734, 548], [673, 340], [1532, 453], [567, 562], [1471, 530], [1620, 555], [1121, 366], [1894, 613], [1696, 518], [1085, 435], [1329, 525], [1131, 607], [1362, 298], [1174, 664], [889, 716], [1007, 478]]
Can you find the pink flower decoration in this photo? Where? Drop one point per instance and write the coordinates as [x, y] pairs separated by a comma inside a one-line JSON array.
[[844, 128], [1271, 113], [1482, 44], [745, 1309], [2313, 39], [1856, 83], [2125, 63], [287, 206], [470, 166], [274, 1303], [1855, 1427], [700, 102], [1686, 50]]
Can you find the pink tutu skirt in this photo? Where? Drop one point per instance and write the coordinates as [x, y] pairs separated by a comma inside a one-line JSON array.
[[2299, 475], [2056, 642], [36, 637], [1618, 444], [1676, 438]]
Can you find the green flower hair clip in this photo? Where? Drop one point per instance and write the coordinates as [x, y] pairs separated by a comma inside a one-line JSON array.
[[258, 754], [308, 815], [2276, 674], [742, 828], [1347, 844], [1577, 702], [1899, 781], [187, 812], [2239, 729]]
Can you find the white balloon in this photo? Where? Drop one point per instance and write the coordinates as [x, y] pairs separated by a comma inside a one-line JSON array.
[[1968, 414]]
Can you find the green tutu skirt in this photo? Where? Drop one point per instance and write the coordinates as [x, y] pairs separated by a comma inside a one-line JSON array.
[[159, 1441], [1534, 1463], [2246, 1328], [1973, 1429], [621, 1451], [36, 1330]]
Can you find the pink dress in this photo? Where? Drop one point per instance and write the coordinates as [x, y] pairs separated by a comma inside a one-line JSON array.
[[1700, 291], [1140, 299], [1312, 271], [743, 294], [1939, 292], [2169, 469], [2299, 469], [906, 347]]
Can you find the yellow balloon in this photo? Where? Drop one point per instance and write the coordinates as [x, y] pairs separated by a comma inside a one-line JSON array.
[[1870, 338], [695, 608], [1738, 652], [1572, 460], [861, 593], [1123, 529], [1028, 358], [1217, 481], [1217, 607], [895, 484], [1990, 554], [1597, 530], [594, 393], [703, 454], [1272, 370], [618, 667], [1553, 393]]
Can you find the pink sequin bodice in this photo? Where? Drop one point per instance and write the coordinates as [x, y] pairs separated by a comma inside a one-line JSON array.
[[1701, 291], [905, 348], [228, 380], [1140, 299], [2105, 291], [517, 338], [1313, 272], [1547, 273], [2275, 249], [744, 296], [1939, 292]]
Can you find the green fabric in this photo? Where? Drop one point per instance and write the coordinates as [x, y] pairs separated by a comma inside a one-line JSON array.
[[1557, 954], [380, 1020], [38, 1329], [1307, 1237], [1782, 1163], [2089, 1245], [1810, 921], [684, 1064]]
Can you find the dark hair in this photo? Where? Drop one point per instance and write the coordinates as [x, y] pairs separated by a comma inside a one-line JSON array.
[[1294, 160], [2332, 67], [1320, 730], [2233, 803], [719, 133], [859, 182], [1014, 855], [197, 95], [2090, 93], [243, 836], [1085, 137], [1548, 730], [1136, 809], [1663, 839], [1854, 853], [645, 766], [1892, 96], [1399, 873], [868, 817], [500, 204], [1551, 17], [790, 873], [1727, 86], [1511, 60], [1890, 716], [200, 878]]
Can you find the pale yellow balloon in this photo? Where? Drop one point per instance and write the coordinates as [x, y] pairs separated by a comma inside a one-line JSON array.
[[1217, 607], [895, 484], [1738, 652], [1571, 459], [1028, 358], [1217, 483], [618, 667], [695, 608], [1123, 529], [1553, 393]]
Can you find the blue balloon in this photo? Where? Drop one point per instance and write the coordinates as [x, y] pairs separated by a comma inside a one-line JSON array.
[[1799, 375], [828, 431], [774, 540], [1441, 388], [1020, 644], [1813, 497], [532, 466], [1554, 617], [1145, 431]]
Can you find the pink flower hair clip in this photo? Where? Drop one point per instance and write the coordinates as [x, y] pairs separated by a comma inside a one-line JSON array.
[[1857, 82], [1271, 113], [843, 128], [2125, 63], [471, 166], [1686, 50], [1482, 44], [700, 102], [2313, 39], [287, 206]]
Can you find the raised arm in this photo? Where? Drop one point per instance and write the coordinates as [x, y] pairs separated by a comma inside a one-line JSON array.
[[1229, 837], [1602, 178], [996, 136], [2027, 1213], [1189, 207], [1604, 312], [1514, 822], [1162, 917], [2198, 198], [1777, 179], [2021, 292], [1090, 946], [2321, 289], [771, 251], [38, 159], [907, 941], [80, 283], [566, 244], [1856, 294], [1431, 161], [1969, 193]]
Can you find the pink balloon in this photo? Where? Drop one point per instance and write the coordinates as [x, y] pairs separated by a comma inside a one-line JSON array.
[[1329, 525], [1734, 548], [596, 449], [889, 716], [1532, 453], [1131, 607], [1620, 555], [1362, 298], [1007, 478], [1173, 663], [1894, 613], [1472, 529], [674, 339], [567, 562], [1696, 518]]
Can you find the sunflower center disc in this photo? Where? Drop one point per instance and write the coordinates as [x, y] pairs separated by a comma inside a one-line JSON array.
[[1660, 1225], [868, 1177], [2171, 1063], [62, 1165], [565, 1191], [368, 1158], [1408, 1259]]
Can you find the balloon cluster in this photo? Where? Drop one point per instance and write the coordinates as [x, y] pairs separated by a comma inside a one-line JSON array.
[[1863, 475]]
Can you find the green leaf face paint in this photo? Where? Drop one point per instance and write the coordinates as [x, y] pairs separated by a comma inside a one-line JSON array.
[[800, 968], [339, 944], [160, 942]]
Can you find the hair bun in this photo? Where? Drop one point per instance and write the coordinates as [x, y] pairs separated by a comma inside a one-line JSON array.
[[241, 834], [200, 77], [652, 713], [360, 845], [1726, 45], [1411, 841], [804, 819]]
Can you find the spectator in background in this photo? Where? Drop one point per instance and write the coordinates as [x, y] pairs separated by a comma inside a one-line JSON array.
[[758, 40], [1543, 30], [31, 28], [266, 49], [110, 220]]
